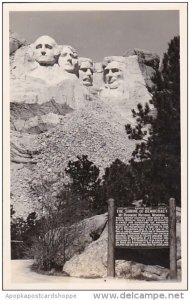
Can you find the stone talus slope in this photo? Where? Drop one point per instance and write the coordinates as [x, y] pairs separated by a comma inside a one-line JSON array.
[[96, 131]]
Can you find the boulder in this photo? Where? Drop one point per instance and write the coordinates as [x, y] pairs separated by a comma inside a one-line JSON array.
[[74, 239], [133, 270], [93, 263]]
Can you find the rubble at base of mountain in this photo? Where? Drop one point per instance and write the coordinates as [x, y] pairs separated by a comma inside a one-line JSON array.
[[97, 131]]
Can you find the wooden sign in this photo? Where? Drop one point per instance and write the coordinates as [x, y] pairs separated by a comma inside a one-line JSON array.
[[142, 227], [146, 227]]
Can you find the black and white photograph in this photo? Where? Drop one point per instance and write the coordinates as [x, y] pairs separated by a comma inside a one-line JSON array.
[[95, 146]]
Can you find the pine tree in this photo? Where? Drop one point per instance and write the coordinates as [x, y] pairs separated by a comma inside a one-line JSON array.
[[117, 183], [158, 158], [84, 175]]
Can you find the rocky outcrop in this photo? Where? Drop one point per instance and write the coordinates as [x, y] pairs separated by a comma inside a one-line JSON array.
[[15, 42], [148, 63], [37, 118], [146, 57], [23, 62], [37, 106], [93, 262]]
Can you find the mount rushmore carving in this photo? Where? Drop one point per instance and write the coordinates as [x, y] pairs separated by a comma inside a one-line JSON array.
[[45, 55], [45, 70], [63, 105]]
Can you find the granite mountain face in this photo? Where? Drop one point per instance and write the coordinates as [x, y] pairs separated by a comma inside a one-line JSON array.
[[62, 106]]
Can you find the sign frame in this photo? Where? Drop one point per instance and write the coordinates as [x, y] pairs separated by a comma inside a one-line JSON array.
[[172, 239]]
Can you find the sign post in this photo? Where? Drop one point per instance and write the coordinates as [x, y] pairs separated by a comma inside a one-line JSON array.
[[111, 239], [172, 239]]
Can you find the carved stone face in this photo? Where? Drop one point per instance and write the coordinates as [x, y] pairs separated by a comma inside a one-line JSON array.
[[68, 59], [45, 51], [113, 74], [86, 73]]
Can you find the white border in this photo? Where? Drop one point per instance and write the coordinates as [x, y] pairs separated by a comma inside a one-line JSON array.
[[109, 284]]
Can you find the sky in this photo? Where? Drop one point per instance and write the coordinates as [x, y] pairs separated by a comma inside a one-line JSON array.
[[96, 34]]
